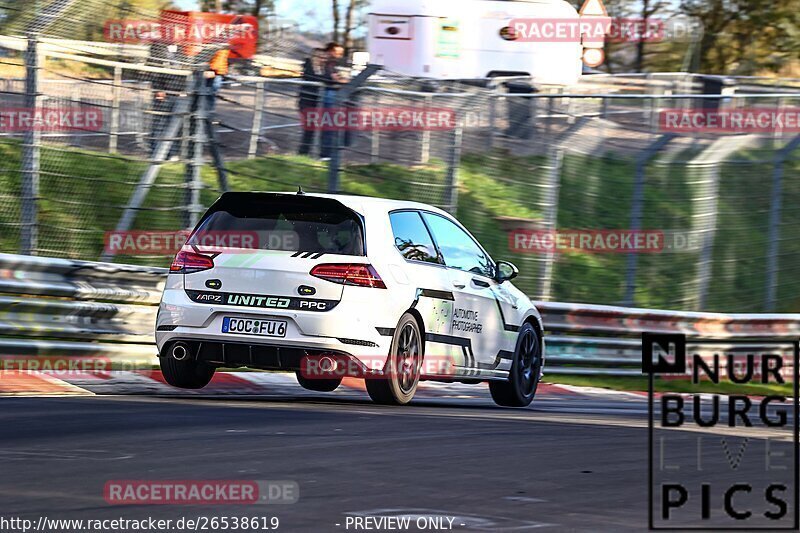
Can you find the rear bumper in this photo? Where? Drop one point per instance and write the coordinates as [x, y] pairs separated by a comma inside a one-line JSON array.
[[348, 330], [261, 356]]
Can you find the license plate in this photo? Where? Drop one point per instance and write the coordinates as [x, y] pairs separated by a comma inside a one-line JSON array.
[[249, 326]]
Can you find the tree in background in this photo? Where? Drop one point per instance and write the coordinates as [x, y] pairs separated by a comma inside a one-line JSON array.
[[632, 55], [650, 9], [352, 22], [746, 36], [337, 20], [82, 20], [257, 8]]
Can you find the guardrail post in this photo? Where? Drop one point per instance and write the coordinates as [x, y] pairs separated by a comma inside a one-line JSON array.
[[31, 146], [453, 162], [637, 206], [255, 130], [773, 241], [116, 90]]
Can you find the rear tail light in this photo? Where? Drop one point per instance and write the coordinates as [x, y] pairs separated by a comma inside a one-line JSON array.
[[357, 274], [189, 262]]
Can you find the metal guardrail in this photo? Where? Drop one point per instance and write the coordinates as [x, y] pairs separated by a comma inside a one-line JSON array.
[[600, 339], [58, 307]]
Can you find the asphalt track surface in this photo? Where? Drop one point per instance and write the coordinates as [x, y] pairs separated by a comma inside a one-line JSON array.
[[568, 463]]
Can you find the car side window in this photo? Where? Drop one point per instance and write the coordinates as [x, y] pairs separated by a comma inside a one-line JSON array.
[[458, 248], [411, 237]]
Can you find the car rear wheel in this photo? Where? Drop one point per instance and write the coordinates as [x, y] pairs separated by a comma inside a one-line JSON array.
[[318, 385], [185, 374], [400, 378], [526, 369]]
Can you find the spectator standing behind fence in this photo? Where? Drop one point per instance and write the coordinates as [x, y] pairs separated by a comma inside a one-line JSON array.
[[309, 95], [217, 70], [334, 53]]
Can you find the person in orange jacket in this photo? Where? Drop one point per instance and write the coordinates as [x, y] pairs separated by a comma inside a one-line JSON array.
[[218, 69]]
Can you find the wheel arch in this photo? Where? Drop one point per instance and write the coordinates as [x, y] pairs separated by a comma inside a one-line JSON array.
[[535, 320], [420, 323]]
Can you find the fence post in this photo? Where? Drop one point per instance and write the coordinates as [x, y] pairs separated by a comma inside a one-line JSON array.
[[637, 207], [194, 182], [31, 146], [492, 116], [550, 201], [773, 246], [116, 90], [375, 138], [549, 118], [144, 118], [453, 162], [713, 156], [255, 130], [425, 156], [655, 100], [551, 196]]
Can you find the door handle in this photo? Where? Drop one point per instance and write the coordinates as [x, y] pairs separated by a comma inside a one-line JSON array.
[[459, 285], [480, 283]]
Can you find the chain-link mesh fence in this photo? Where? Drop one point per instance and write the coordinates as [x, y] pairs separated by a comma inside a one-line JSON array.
[[517, 165]]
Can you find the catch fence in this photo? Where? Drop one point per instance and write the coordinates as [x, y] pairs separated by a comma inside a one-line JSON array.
[[522, 168]]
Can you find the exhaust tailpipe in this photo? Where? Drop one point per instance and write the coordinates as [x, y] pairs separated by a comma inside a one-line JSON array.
[[327, 364], [180, 351]]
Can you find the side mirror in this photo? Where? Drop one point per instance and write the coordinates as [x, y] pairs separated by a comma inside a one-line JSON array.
[[506, 271]]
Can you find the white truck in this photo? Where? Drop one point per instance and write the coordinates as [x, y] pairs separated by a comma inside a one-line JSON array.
[[467, 39]]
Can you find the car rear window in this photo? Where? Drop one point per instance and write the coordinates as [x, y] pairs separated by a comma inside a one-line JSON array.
[[281, 222]]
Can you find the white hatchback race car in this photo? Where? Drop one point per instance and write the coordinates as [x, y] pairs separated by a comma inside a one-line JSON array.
[[330, 286]]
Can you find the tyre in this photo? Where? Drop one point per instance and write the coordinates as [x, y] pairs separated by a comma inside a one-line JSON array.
[[520, 387], [318, 385], [402, 371], [186, 374]]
